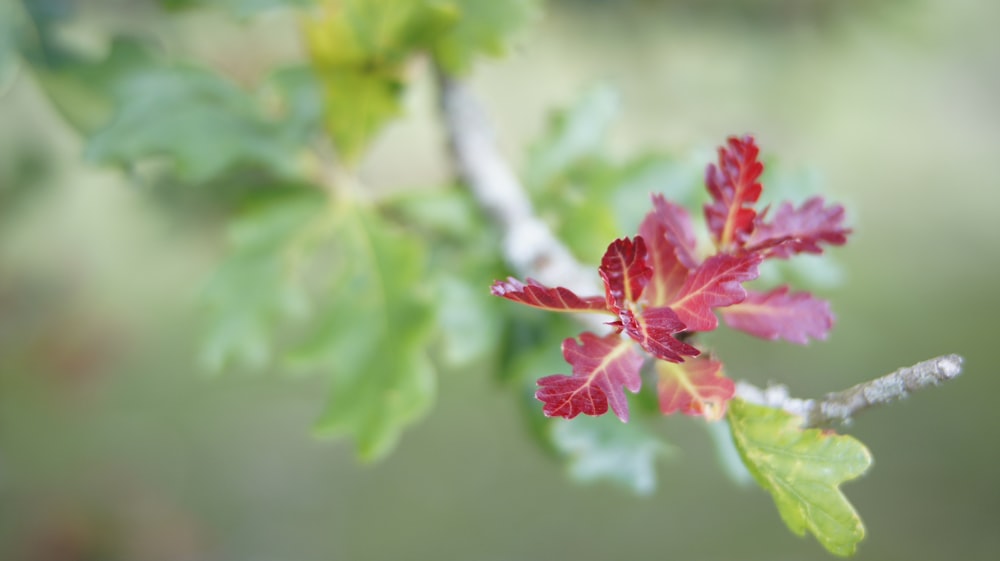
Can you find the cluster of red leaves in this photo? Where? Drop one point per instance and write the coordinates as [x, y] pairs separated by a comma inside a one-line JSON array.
[[657, 289]]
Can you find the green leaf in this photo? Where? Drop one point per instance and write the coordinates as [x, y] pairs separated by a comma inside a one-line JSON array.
[[256, 286], [481, 28], [200, 121], [605, 449], [360, 49], [802, 469], [382, 379], [574, 134]]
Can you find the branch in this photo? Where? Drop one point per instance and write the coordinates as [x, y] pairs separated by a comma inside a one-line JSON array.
[[529, 246], [531, 249], [841, 406]]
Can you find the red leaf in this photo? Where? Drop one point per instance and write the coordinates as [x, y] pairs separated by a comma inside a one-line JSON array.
[[624, 271], [693, 387], [801, 230], [667, 232], [557, 299], [715, 283], [733, 186], [794, 317], [654, 329], [601, 366]]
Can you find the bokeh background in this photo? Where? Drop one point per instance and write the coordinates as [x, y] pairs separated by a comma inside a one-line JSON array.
[[114, 444]]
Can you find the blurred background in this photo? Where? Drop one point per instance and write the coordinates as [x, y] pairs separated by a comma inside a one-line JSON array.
[[115, 444]]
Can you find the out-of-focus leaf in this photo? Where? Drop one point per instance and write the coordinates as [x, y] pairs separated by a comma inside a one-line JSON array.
[[795, 317], [791, 231], [802, 469], [694, 387], [667, 232], [377, 329], [360, 49], [602, 449], [255, 285], [480, 28], [83, 91], [239, 7], [200, 121], [574, 134]]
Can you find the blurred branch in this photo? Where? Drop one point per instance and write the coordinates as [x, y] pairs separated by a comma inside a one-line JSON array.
[[532, 249], [529, 245], [840, 407]]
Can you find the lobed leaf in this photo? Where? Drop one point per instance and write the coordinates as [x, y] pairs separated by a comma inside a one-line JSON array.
[[654, 329], [734, 187], [795, 317], [668, 234], [801, 230], [802, 469], [601, 367], [694, 387], [202, 122], [715, 283], [625, 272], [481, 28], [558, 299]]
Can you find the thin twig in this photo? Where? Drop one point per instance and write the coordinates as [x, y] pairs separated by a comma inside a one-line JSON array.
[[841, 407], [532, 249]]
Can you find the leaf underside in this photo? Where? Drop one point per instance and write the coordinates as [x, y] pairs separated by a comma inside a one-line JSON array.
[[802, 469]]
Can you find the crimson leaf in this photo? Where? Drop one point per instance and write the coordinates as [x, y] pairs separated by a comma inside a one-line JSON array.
[[801, 230], [693, 387], [557, 299], [734, 189], [778, 314], [601, 366], [625, 271], [715, 283], [667, 232], [654, 329]]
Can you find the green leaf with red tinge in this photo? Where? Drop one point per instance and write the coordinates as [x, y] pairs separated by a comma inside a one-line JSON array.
[[625, 272], [779, 314], [715, 283], [734, 187], [802, 469], [601, 367], [559, 299], [694, 387], [670, 240], [654, 329], [802, 230]]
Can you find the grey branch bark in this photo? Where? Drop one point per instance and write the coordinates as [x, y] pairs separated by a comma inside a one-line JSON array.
[[532, 250]]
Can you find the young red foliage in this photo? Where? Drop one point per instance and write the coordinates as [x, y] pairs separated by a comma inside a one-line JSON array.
[[733, 185], [668, 234], [715, 283], [694, 387], [601, 367], [654, 330], [625, 272], [779, 314], [557, 299], [660, 291], [793, 231]]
